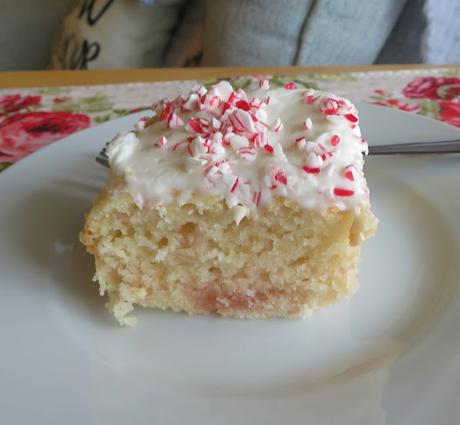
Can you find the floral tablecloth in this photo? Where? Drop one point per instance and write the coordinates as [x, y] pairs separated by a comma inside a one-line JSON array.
[[33, 118]]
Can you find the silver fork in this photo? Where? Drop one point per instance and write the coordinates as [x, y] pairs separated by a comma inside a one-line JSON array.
[[445, 146], [102, 157]]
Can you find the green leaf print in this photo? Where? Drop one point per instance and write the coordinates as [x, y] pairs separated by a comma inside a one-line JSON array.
[[121, 111], [429, 108], [452, 72], [4, 165], [97, 103], [209, 83], [378, 97], [240, 83], [102, 118]]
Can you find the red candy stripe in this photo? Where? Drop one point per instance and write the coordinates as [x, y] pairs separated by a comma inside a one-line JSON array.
[[349, 175], [195, 125], [311, 170], [242, 104], [269, 149], [235, 185], [343, 192], [310, 99], [280, 176], [335, 140], [352, 118]]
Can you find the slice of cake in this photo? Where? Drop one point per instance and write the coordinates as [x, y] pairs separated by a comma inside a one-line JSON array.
[[248, 204]]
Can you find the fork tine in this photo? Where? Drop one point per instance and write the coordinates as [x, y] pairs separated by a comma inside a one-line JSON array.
[[102, 157], [103, 161]]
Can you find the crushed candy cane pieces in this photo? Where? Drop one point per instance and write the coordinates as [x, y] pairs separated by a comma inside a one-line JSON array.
[[254, 145]]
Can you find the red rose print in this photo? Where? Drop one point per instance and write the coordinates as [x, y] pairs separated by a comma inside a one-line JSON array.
[[24, 133], [433, 88], [399, 104], [15, 102], [450, 113], [424, 87]]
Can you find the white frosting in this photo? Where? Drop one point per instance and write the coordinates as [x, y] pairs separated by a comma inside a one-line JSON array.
[[247, 147]]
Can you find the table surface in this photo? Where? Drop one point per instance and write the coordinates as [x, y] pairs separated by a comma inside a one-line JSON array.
[[70, 78]]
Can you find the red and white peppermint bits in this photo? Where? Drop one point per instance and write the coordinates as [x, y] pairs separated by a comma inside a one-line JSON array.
[[140, 125], [256, 197], [283, 141], [238, 141], [194, 126], [335, 140], [278, 125], [264, 84], [178, 145], [268, 148], [276, 179], [247, 154], [216, 123], [174, 121], [279, 154], [161, 142], [349, 173], [352, 118], [343, 192], [192, 102], [241, 121], [243, 104], [235, 185], [310, 99], [321, 151], [198, 146], [280, 177], [290, 85], [314, 163], [301, 142], [311, 170], [330, 107]]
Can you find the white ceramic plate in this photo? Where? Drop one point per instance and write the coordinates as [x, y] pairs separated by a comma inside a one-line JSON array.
[[391, 355]]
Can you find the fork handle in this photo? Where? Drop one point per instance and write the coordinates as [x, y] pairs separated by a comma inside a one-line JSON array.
[[447, 146]]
